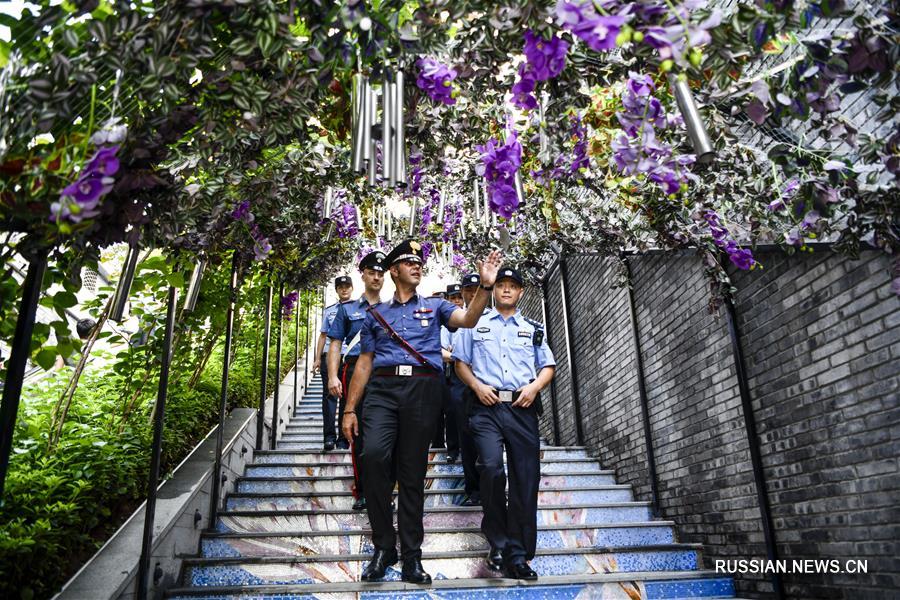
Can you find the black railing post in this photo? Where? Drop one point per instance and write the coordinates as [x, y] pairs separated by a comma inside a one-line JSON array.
[[306, 345], [554, 409], [216, 483], [261, 411], [296, 348], [573, 369], [759, 477], [18, 358], [156, 448], [275, 399], [642, 391]]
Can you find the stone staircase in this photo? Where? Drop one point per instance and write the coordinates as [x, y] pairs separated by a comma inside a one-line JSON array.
[[288, 533]]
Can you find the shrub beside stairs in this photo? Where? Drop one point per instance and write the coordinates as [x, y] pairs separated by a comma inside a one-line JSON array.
[[288, 533]]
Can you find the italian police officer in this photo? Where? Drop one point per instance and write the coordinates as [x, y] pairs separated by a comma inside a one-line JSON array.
[[343, 285], [400, 360], [506, 362], [345, 332]]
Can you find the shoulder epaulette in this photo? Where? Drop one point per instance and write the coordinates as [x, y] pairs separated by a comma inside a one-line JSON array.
[[537, 324]]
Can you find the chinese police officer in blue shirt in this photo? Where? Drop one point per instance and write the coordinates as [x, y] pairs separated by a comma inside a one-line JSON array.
[[400, 360], [343, 285], [506, 362], [345, 331]]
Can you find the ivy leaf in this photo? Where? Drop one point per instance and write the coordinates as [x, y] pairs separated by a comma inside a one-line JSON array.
[[64, 300], [46, 358]]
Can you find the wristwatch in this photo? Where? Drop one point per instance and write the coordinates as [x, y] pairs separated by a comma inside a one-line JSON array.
[[486, 288]]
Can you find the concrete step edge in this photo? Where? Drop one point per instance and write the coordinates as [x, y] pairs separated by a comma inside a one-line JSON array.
[[453, 491], [561, 527], [320, 558], [297, 513], [427, 476], [498, 582]]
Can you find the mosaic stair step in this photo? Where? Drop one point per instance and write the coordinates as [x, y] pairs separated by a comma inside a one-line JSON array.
[[278, 458], [316, 512], [657, 585], [315, 453], [292, 470], [301, 429], [272, 481], [445, 565], [338, 499], [443, 532]]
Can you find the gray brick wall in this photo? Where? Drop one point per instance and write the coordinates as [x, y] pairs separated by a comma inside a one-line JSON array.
[[821, 337]]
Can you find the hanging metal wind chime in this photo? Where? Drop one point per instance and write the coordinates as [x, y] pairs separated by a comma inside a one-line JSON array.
[[693, 122]]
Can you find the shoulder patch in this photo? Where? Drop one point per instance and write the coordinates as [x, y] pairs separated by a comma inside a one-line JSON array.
[[483, 329], [537, 324]]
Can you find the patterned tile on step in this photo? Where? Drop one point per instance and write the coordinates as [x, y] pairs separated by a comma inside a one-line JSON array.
[[625, 590], [305, 545], [451, 498], [468, 567], [574, 516]]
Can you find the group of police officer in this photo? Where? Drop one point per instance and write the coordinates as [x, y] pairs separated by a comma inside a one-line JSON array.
[[396, 366]]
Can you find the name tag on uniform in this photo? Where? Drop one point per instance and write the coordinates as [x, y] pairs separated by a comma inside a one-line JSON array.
[[424, 322], [505, 396], [483, 329], [524, 334]]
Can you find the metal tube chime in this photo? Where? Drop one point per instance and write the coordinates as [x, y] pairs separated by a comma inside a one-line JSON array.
[[216, 483], [693, 122], [388, 175], [399, 122], [123, 288], [412, 217], [275, 399], [360, 111], [156, 449], [441, 204], [261, 411], [476, 198], [193, 291], [369, 139]]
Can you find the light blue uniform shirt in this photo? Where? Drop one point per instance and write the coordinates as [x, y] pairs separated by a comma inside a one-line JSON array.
[[501, 352], [418, 321], [347, 323], [327, 319], [446, 339]]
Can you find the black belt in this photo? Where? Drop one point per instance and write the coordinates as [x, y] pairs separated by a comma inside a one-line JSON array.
[[405, 371]]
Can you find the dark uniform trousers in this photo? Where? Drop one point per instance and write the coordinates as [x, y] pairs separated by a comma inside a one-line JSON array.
[[329, 405], [514, 527], [399, 418], [346, 375], [468, 451]]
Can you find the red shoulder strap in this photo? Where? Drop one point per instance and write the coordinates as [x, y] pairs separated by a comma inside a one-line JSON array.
[[398, 338]]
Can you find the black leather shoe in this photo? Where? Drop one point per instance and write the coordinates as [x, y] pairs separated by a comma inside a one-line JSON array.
[[471, 500], [452, 458], [329, 446], [520, 571], [342, 445], [360, 504], [381, 560], [495, 560], [414, 573]]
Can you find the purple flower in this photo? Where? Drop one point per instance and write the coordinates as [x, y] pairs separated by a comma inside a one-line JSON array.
[[582, 19], [345, 220], [287, 304], [459, 262], [523, 88], [242, 212], [86, 191], [500, 165], [546, 58], [436, 80], [742, 258], [103, 163]]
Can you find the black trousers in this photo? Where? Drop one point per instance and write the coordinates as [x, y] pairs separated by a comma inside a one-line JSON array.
[[398, 421], [346, 375], [329, 405], [512, 527], [467, 449]]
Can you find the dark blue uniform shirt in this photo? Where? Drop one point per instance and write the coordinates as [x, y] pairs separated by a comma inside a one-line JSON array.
[[418, 321], [347, 323]]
